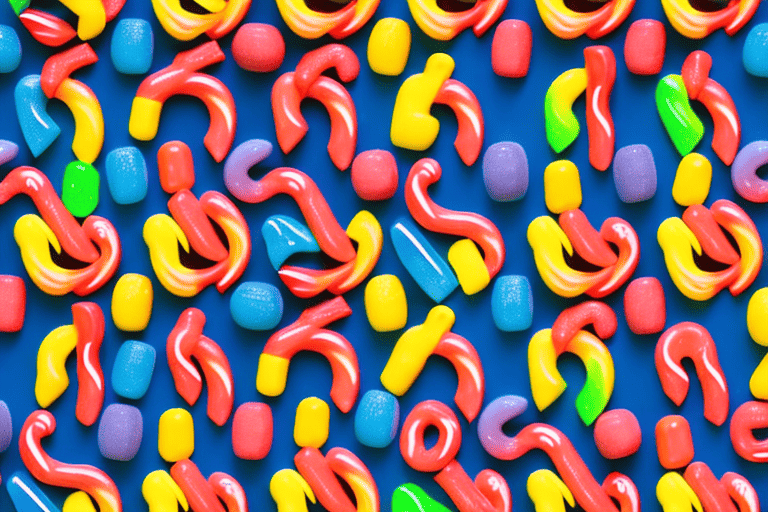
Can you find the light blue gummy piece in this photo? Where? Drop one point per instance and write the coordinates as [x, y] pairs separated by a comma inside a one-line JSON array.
[[421, 260], [755, 56], [132, 373], [132, 47], [256, 306], [27, 496], [377, 418], [10, 49], [284, 236], [127, 175], [512, 303], [37, 126]]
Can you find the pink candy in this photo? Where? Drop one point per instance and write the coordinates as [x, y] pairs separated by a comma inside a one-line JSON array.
[[258, 47], [645, 306], [374, 175], [617, 434], [674, 442], [252, 431], [645, 46], [13, 300], [511, 49]]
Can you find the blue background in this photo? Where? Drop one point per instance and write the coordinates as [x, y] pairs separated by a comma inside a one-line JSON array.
[[513, 110]]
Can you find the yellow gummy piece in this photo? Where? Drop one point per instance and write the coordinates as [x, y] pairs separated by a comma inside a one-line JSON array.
[[546, 382], [145, 118], [389, 46], [161, 493], [289, 490], [686, 20], [52, 379], [89, 120], [212, 6], [163, 237], [413, 127], [675, 495], [132, 302], [758, 384], [313, 418], [548, 492], [413, 348], [176, 435], [91, 17], [757, 317], [560, 122], [562, 186], [272, 375], [78, 502], [692, 181], [468, 264], [385, 303]]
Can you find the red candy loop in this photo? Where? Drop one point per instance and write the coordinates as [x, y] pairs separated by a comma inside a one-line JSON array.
[[741, 492], [600, 64], [89, 324], [435, 218], [91, 480], [748, 417], [316, 470], [622, 489], [471, 127], [199, 493], [469, 368], [430, 413], [574, 319], [58, 67], [702, 223], [710, 491], [488, 493], [229, 491], [315, 63], [620, 233]]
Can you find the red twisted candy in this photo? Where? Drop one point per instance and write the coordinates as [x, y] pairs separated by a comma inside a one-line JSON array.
[[466, 361], [702, 223], [464, 103], [331, 56], [188, 213], [86, 478], [46, 28], [601, 75], [710, 491], [89, 323], [622, 489], [741, 491], [435, 218], [620, 233], [574, 319], [748, 417], [488, 493], [58, 67], [201, 495], [229, 491], [585, 239], [430, 413]]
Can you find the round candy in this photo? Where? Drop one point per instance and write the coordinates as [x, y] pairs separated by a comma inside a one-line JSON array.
[[389, 46], [674, 442], [562, 186], [127, 175], [617, 434], [132, 302], [133, 369], [10, 49], [120, 431], [634, 173], [313, 417], [133, 44], [430, 413], [467, 262], [13, 303], [505, 171], [6, 427], [175, 166], [511, 49], [512, 303], [757, 317], [252, 431], [80, 191], [692, 180], [377, 418], [644, 47], [755, 54], [258, 47], [256, 306], [385, 303], [645, 307], [176, 435], [374, 175]]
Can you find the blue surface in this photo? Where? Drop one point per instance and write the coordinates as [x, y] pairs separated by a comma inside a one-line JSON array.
[[513, 112]]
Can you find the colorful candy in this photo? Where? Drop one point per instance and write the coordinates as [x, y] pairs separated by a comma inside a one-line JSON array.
[[634, 173], [548, 492], [512, 303], [127, 175], [38, 128], [285, 236], [412, 498], [185, 25], [6, 427], [175, 435], [747, 417], [505, 171], [132, 46], [258, 47], [674, 443], [290, 491], [566, 23], [680, 121], [51, 30], [312, 423], [133, 369], [744, 176], [511, 49], [644, 47], [488, 492], [753, 55], [645, 306], [560, 122], [312, 24], [494, 416], [8, 151], [716, 494], [252, 431], [374, 175], [444, 26], [430, 413], [120, 431], [562, 186], [377, 418], [256, 306], [385, 304], [220, 493], [617, 434], [388, 46], [696, 24], [675, 495], [132, 302], [26, 495], [161, 493], [175, 166], [10, 49], [466, 260], [757, 312], [692, 180], [13, 303]]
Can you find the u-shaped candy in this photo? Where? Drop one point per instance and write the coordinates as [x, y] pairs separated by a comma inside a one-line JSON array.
[[185, 25], [568, 24], [91, 480], [696, 24], [181, 77], [717, 495], [219, 493], [51, 30], [290, 491], [186, 342], [307, 333], [748, 417], [444, 26], [162, 494], [547, 492], [311, 24]]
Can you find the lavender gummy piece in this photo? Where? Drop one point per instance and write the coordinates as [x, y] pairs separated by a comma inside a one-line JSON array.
[[495, 415], [8, 151], [505, 171], [6, 427], [120, 432], [634, 173]]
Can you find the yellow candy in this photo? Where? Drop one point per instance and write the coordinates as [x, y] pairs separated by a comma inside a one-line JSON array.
[[692, 181], [313, 418], [675, 495], [758, 384], [413, 348], [92, 18], [288, 489], [562, 186], [757, 317], [547, 492], [78, 502], [389, 46], [176, 435], [89, 120], [52, 379], [385, 303], [132, 302], [272, 374], [467, 262], [145, 118], [162, 494], [413, 127]]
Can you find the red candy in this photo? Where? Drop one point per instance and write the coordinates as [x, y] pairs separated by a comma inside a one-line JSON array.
[[645, 306], [601, 75], [430, 413], [13, 300], [200, 495], [674, 442], [258, 47], [252, 431], [374, 175], [645, 46], [617, 434], [511, 49], [176, 167], [574, 319]]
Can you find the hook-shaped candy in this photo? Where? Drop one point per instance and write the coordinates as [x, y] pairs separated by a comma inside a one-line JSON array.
[[162, 494], [572, 320], [184, 25], [547, 492], [741, 492], [696, 24], [51, 30], [412, 498], [622, 489], [747, 417], [189, 215], [711, 492], [220, 493], [311, 24], [568, 24], [290, 491], [93, 481], [489, 492], [675, 495], [469, 115], [444, 26], [229, 491]]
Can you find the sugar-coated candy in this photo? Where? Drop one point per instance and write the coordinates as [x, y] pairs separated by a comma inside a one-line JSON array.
[[511, 49], [39, 129], [127, 177], [682, 124], [80, 188], [467, 262], [562, 186], [645, 307], [374, 175], [8, 151], [412, 498], [755, 55], [744, 177], [120, 432], [256, 306], [617, 434], [10, 49], [252, 431], [505, 171], [26, 495], [258, 47], [757, 317], [176, 435], [133, 369], [175, 166], [692, 180], [674, 443], [634, 173], [6, 427], [312, 423], [132, 302], [13, 303], [385, 304], [78, 501], [133, 45], [377, 418], [512, 303], [389, 46], [644, 47]]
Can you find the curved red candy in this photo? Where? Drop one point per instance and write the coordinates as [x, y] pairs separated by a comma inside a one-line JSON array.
[[308, 282], [188, 213], [58, 67], [430, 413], [315, 63], [701, 221], [741, 491], [695, 72], [600, 64], [622, 489], [471, 127], [575, 318], [725, 118], [89, 324], [199, 493], [585, 239], [317, 472], [710, 491], [469, 368], [46, 28], [488, 493], [229, 491], [620, 233], [748, 417]]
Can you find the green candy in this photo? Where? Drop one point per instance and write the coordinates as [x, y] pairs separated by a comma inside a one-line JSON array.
[[681, 122], [80, 191], [412, 498], [19, 6], [593, 396]]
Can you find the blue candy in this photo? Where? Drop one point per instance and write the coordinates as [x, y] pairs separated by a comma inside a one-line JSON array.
[[134, 365], [755, 54], [285, 236], [421, 260], [6, 427], [10, 49], [132, 46], [377, 418], [120, 431], [512, 303], [37, 126], [127, 175], [27, 496], [256, 306]]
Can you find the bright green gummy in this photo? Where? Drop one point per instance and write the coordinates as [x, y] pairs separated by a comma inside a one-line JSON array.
[[593, 396], [19, 6], [80, 191], [412, 498], [561, 124], [681, 122]]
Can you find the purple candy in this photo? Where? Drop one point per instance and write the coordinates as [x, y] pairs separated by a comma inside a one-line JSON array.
[[634, 173], [120, 431], [744, 176], [8, 151], [495, 415], [6, 427], [505, 171], [239, 162]]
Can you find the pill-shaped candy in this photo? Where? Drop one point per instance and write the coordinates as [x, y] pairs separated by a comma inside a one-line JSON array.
[[377, 418], [374, 175], [6, 427], [385, 304], [754, 55], [176, 435], [511, 49], [644, 47], [682, 124], [132, 372], [757, 317], [562, 186], [127, 177], [312, 423], [389, 46], [120, 430], [505, 171], [132, 302], [175, 166], [78, 501], [256, 306], [674, 443], [512, 303], [10, 49], [252, 431], [692, 180], [13, 303], [467, 262], [634, 173], [617, 434], [258, 47], [26, 495], [80, 188], [133, 45], [645, 307]]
